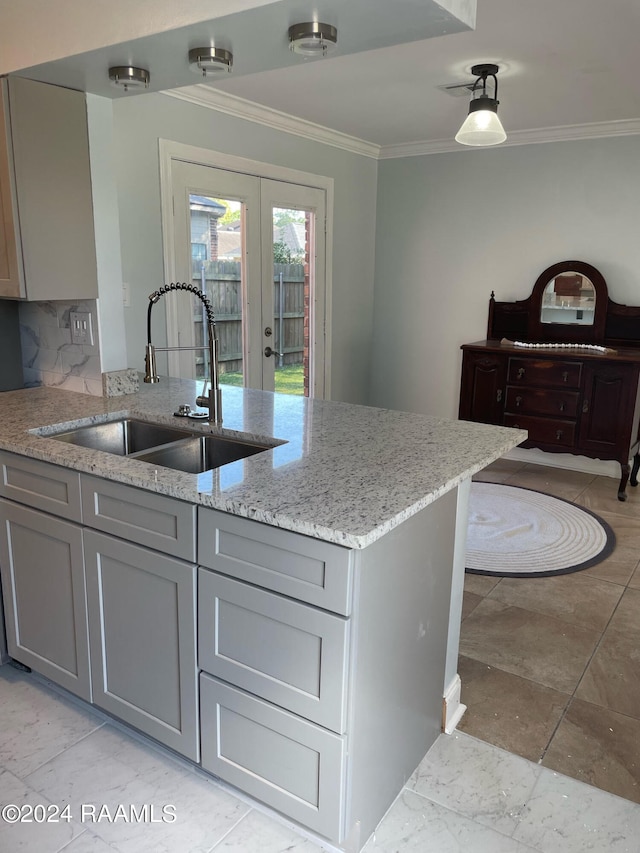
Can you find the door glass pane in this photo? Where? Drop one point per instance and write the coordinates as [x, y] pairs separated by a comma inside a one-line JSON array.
[[292, 234], [217, 270]]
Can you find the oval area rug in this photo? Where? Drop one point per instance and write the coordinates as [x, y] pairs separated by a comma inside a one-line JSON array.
[[518, 532]]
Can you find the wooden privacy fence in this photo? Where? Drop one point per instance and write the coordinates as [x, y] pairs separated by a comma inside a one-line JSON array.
[[223, 285]]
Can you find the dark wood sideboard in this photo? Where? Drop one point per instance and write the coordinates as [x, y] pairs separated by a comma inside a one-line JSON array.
[[573, 383]]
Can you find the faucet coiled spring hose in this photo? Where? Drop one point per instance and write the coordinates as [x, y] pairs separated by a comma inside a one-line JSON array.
[[155, 296]]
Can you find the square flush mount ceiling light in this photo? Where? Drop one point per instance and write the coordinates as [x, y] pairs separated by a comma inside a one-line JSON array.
[[210, 60], [129, 77], [312, 38]]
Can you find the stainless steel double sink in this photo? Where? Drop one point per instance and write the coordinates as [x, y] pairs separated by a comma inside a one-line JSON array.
[[170, 447]]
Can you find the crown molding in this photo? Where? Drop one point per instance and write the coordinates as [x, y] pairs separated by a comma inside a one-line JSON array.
[[566, 133], [216, 99], [224, 102]]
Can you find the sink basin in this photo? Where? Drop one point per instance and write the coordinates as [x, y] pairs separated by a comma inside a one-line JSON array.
[[197, 454], [122, 437]]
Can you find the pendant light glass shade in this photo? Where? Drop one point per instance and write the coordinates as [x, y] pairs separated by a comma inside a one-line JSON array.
[[482, 126]]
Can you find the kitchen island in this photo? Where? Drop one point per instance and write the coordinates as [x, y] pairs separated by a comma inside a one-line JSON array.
[[289, 620]]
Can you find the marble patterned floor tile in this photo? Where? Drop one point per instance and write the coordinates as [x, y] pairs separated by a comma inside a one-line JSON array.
[[37, 723], [573, 598], [531, 645], [88, 843], [110, 768], [257, 833], [417, 825], [469, 602], [599, 747], [614, 569], [476, 780], [553, 481], [479, 584], [507, 711], [566, 816], [30, 837]]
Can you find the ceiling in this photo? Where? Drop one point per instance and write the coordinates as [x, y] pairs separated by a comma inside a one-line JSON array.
[[568, 69]]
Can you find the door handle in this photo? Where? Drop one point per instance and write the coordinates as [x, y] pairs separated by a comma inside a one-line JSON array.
[[269, 352]]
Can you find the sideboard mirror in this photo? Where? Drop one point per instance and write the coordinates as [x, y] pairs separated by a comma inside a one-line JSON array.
[[568, 303]]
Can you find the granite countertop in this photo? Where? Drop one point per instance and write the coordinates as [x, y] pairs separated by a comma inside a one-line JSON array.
[[345, 474]]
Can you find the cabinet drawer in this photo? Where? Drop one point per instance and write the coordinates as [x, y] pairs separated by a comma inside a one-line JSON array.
[[550, 431], [298, 566], [156, 521], [289, 653], [547, 372], [40, 485], [288, 763], [542, 401]]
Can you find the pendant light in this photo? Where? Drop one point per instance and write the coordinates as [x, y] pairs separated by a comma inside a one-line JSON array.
[[482, 126]]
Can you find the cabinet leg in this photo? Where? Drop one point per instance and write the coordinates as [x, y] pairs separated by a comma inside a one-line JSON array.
[[634, 470], [622, 495]]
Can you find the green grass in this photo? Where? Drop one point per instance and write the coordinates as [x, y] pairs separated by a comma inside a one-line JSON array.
[[288, 379]]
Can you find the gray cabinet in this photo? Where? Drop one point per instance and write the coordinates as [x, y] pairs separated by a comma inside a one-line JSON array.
[[47, 239], [294, 655], [296, 767], [141, 607], [42, 568]]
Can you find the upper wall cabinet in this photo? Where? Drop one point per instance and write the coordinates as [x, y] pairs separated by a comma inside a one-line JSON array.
[[47, 240]]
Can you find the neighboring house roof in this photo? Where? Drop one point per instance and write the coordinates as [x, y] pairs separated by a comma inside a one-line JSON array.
[[210, 205], [292, 234]]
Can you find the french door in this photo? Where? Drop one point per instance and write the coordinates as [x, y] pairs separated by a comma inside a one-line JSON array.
[[256, 247]]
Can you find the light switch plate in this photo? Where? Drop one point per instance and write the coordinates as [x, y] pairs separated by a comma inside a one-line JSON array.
[[81, 331]]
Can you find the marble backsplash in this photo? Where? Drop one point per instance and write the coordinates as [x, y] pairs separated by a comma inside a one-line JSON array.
[[49, 357]]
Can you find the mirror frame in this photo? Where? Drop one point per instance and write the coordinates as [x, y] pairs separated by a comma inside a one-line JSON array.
[[568, 333]]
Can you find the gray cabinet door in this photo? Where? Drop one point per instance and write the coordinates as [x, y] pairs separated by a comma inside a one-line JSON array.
[[142, 608], [44, 595], [155, 521], [40, 485], [301, 567], [288, 763], [289, 653]]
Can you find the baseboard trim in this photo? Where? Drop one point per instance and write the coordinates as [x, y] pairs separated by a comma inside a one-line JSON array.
[[452, 707]]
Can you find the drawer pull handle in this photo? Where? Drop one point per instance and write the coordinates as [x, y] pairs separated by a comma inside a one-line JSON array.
[[559, 434], [499, 395], [565, 376], [585, 406], [520, 372], [562, 406], [518, 400]]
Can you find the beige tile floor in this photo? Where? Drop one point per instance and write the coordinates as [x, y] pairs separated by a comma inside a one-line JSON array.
[[550, 667]]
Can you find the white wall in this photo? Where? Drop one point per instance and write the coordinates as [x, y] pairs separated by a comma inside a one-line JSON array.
[[138, 124], [453, 227]]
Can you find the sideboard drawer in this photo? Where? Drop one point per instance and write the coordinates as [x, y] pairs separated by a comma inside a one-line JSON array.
[[547, 372], [289, 653], [542, 401], [40, 485], [550, 431], [156, 521], [299, 566], [288, 763]]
